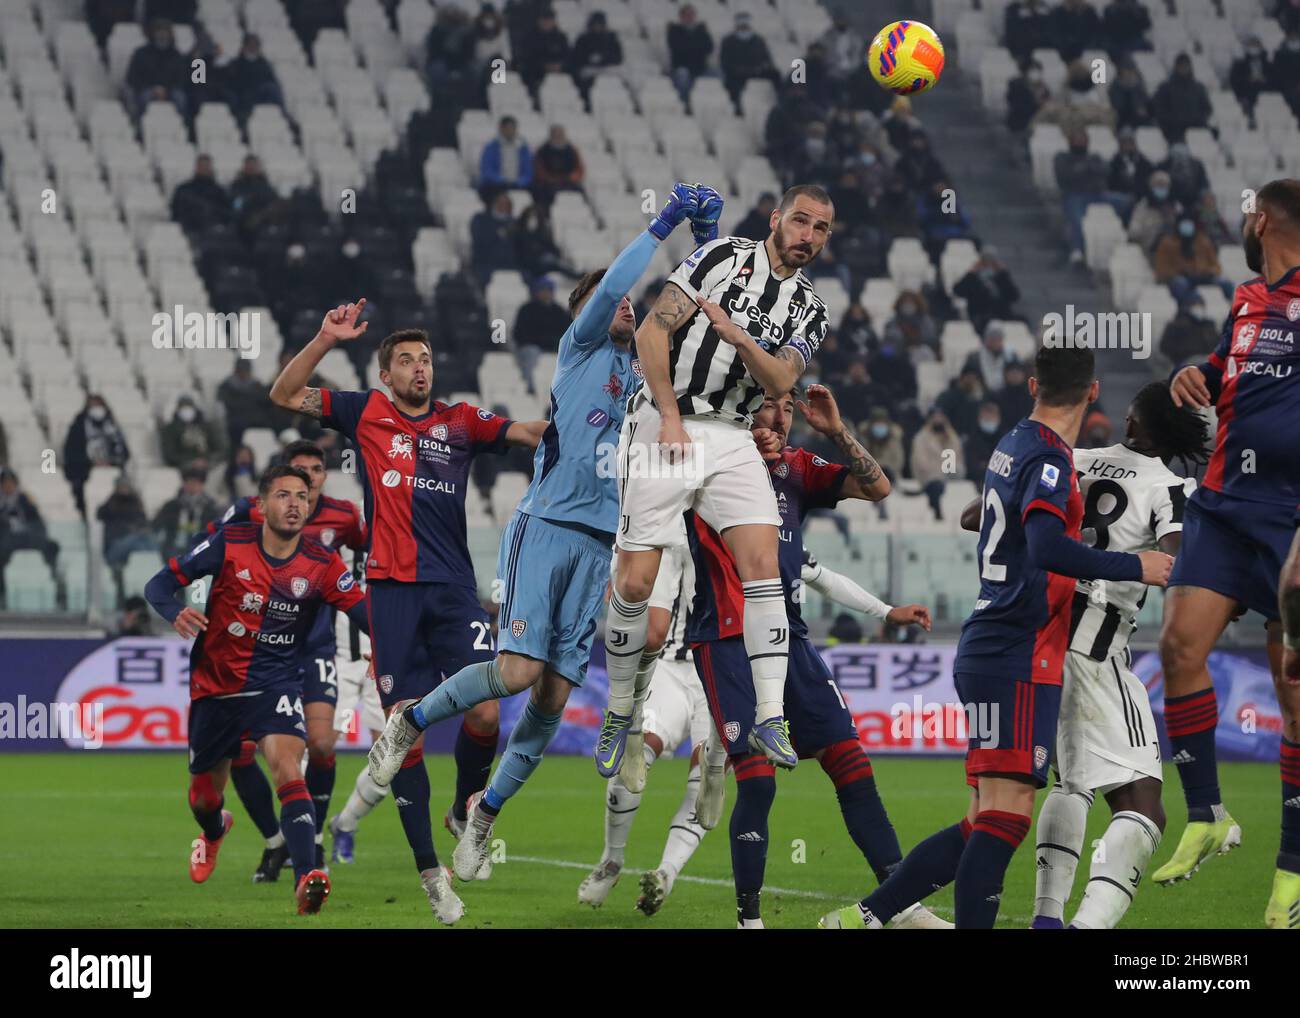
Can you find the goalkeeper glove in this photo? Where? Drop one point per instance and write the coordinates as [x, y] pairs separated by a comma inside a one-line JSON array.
[[704, 224], [681, 205]]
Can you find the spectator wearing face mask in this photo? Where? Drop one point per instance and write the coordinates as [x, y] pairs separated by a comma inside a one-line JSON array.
[[912, 326], [1181, 102], [1155, 215], [1026, 95], [883, 438], [918, 165], [1286, 69], [1190, 335], [981, 442], [1027, 26], [1124, 25], [22, 527], [492, 246], [1082, 177], [960, 402], [249, 79], [859, 393], [93, 440], [189, 436], [1076, 27], [1129, 168], [1187, 177], [744, 55], [1013, 398], [1187, 259], [126, 529], [1096, 432], [857, 335], [241, 474], [988, 290], [181, 518], [991, 359], [1209, 220], [689, 48], [891, 367], [937, 458], [942, 219], [1250, 74], [1128, 97], [158, 70], [352, 272], [1079, 105], [245, 401]]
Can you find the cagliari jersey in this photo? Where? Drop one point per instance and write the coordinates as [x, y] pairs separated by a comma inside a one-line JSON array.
[[1130, 501]]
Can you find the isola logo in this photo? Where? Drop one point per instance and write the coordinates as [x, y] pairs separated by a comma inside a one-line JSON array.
[[597, 417]]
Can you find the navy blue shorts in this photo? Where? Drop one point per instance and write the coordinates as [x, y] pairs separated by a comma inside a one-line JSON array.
[[1235, 548], [1011, 724], [219, 724], [422, 632], [816, 711], [320, 682]]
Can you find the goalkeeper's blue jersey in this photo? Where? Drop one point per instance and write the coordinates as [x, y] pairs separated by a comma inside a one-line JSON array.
[[575, 477]]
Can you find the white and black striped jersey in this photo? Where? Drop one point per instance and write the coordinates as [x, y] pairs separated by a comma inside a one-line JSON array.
[[1130, 501], [708, 376], [677, 559]]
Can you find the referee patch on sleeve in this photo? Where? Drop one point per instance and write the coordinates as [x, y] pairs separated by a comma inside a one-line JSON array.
[[1051, 475]]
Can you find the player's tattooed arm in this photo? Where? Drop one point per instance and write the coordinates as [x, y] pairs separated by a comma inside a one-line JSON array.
[[311, 403], [672, 308], [290, 389], [866, 479]]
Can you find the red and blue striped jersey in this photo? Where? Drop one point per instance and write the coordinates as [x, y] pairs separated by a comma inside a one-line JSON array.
[[1252, 376], [802, 482], [260, 610], [1021, 623], [414, 477]]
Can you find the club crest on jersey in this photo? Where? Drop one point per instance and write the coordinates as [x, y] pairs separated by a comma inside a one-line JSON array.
[[485, 414], [518, 627], [298, 586], [782, 470], [385, 683], [402, 446], [327, 536], [438, 432], [1245, 335], [346, 582], [1051, 474], [1040, 757], [1293, 310], [731, 731], [252, 602], [818, 461], [637, 369]]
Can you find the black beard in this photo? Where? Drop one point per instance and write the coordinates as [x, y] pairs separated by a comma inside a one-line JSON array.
[[1254, 253]]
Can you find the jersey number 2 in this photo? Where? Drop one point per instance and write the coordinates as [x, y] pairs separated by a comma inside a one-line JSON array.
[[994, 572]]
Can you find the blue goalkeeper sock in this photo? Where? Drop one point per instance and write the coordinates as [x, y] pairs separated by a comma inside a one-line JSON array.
[[523, 752], [467, 688], [978, 887], [929, 866]]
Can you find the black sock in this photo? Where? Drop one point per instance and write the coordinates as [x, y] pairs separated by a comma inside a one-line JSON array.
[[474, 754], [254, 791], [930, 866], [298, 824], [993, 841], [1190, 721], [1289, 856], [849, 768], [320, 783], [411, 794], [755, 790]]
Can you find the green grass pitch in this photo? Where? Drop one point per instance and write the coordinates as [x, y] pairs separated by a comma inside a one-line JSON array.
[[102, 840]]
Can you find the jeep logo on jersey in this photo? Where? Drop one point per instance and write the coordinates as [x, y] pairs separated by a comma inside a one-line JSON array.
[[391, 478], [438, 432], [346, 582], [518, 627], [1293, 310], [327, 536], [298, 586], [385, 683], [401, 447], [782, 470], [731, 731], [597, 417], [236, 629]]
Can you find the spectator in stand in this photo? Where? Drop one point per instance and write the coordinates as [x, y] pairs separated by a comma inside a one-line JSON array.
[[1286, 69], [23, 527], [912, 325], [490, 39], [870, 168], [1251, 73], [159, 71], [249, 80], [1076, 27], [859, 393], [883, 438], [1014, 398], [450, 46], [201, 201], [814, 159], [506, 161], [1187, 176], [241, 474], [895, 209], [1287, 13], [492, 244], [535, 245], [845, 628], [245, 401], [126, 529], [545, 51], [786, 128], [1080, 104], [351, 271], [891, 367], [833, 359], [539, 324], [1129, 168], [689, 48], [557, 166], [1124, 25], [988, 290], [900, 123], [991, 359], [1096, 432], [757, 225], [253, 199], [1082, 177], [1187, 259], [818, 82], [1181, 101], [183, 517], [942, 219], [189, 435], [1209, 220], [1190, 336], [1129, 98], [918, 165], [102, 15], [594, 51], [1155, 214], [937, 458], [136, 618], [856, 332], [1027, 26], [1026, 95], [961, 401], [93, 440], [744, 55], [309, 16], [981, 442], [846, 50]]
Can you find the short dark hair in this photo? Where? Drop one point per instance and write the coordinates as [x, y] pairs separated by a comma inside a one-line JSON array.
[[401, 336], [1282, 197], [302, 447], [584, 286], [813, 191], [1064, 373], [273, 473]]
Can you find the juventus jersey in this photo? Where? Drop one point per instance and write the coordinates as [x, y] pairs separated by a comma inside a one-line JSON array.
[[708, 376], [1130, 501]]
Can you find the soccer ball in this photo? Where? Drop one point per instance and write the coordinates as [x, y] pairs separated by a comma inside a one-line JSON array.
[[906, 57]]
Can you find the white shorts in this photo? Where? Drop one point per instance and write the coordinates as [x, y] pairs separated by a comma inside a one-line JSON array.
[[1105, 735], [676, 560], [724, 479], [357, 691], [676, 709]]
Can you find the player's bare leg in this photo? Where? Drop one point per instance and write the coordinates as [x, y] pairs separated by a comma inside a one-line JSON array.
[[320, 773], [1283, 910], [1122, 854], [1194, 620], [627, 624], [297, 819], [767, 636], [633, 768], [206, 803]]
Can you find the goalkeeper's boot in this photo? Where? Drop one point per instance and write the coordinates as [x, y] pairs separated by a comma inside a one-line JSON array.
[[312, 890], [597, 884], [850, 917], [203, 857], [1283, 912], [611, 743], [1201, 839], [394, 742], [771, 738], [475, 844], [273, 860]]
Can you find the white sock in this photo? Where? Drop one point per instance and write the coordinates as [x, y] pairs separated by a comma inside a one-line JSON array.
[[715, 753], [620, 810], [641, 692], [1062, 822], [625, 626], [767, 643], [684, 834], [366, 795], [276, 840], [1117, 867]]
